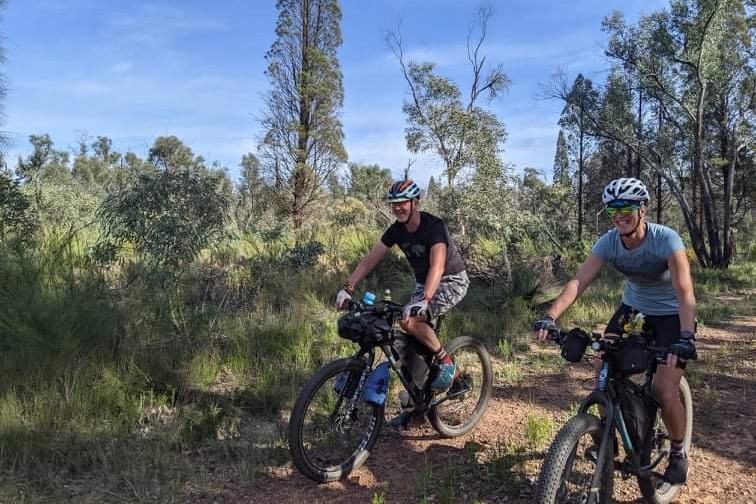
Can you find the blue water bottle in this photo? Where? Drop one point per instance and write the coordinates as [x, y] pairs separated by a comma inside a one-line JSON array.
[[368, 299], [377, 384]]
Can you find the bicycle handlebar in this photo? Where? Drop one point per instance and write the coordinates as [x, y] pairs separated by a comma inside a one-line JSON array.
[[599, 342], [386, 306]]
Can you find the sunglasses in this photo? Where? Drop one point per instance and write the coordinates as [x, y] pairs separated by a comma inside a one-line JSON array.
[[623, 210]]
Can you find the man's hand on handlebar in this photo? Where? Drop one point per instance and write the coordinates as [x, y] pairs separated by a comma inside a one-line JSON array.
[[414, 309], [342, 298]]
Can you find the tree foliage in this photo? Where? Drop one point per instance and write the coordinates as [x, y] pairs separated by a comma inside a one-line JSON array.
[[17, 219], [253, 198], [561, 161], [695, 61], [168, 215], [462, 133]]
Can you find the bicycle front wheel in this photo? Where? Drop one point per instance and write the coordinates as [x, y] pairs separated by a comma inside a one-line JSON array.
[[462, 406], [332, 429], [572, 461], [657, 443]]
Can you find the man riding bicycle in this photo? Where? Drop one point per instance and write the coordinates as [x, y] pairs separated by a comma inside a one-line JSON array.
[[440, 276], [658, 284]]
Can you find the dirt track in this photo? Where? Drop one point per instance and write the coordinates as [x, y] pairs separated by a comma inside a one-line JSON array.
[[493, 465]]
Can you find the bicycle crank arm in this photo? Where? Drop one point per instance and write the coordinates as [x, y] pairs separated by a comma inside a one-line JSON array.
[[447, 397], [648, 470]]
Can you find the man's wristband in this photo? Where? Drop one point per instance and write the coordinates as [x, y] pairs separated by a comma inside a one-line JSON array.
[[349, 287]]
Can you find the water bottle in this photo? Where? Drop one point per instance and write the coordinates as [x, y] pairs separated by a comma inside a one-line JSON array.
[[377, 384], [368, 299]]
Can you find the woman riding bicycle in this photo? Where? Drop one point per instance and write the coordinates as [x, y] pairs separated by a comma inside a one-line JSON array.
[[441, 279], [658, 284]]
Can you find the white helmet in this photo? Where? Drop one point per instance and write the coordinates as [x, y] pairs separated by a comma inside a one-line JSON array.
[[630, 189]]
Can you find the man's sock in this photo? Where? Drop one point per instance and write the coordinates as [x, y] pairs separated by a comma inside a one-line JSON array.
[[443, 358]]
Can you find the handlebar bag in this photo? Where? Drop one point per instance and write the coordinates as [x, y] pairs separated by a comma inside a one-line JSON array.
[[364, 327], [574, 345], [634, 357]]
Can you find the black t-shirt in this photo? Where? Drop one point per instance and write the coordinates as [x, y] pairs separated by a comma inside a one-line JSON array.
[[416, 246]]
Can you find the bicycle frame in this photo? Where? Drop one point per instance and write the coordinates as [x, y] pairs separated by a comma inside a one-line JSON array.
[[422, 398], [607, 394]]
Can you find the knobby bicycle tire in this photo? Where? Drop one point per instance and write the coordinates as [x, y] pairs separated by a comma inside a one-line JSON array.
[[664, 492], [470, 392], [328, 437], [557, 476]]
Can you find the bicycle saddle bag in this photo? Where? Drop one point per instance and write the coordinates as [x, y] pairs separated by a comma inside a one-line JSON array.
[[364, 327]]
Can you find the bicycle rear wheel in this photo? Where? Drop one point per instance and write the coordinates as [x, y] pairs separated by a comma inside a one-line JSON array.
[[653, 489], [572, 461], [332, 429], [466, 401]]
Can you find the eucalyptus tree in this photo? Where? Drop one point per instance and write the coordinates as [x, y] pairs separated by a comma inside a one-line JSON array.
[[169, 153], [46, 176], [303, 140], [167, 213], [730, 121], [45, 161], [253, 197], [438, 118], [699, 58], [561, 161], [368, 182], [95, 164], [580, 104], [460, 131], [18, 221]]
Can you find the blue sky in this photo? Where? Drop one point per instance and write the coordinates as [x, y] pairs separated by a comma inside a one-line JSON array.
[[133, 70]]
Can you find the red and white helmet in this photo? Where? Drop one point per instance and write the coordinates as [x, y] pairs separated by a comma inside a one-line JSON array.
[[404, 190], [628, 189]]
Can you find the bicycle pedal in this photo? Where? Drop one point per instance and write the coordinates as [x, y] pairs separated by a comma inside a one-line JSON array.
[[461, 384], [402, 419]]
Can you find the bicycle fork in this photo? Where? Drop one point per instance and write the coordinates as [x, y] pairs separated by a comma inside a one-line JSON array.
[[599, 396], [354, 396]]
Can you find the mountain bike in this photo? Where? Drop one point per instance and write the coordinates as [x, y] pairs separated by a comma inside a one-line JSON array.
[[581, 461], [339, 413]]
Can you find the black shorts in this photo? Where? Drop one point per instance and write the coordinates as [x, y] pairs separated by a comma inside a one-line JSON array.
[[664, 330]]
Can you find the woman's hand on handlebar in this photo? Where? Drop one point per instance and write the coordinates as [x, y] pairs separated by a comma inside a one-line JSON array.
[[543, 326]]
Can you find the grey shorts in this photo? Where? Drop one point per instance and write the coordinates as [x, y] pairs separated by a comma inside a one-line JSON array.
[[451, 291]]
